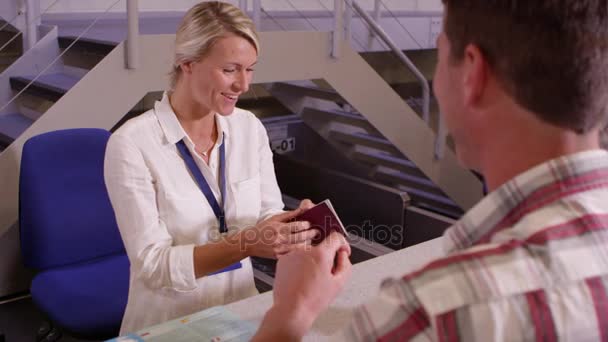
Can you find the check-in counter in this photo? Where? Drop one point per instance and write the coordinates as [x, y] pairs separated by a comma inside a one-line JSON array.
[[363, 285]]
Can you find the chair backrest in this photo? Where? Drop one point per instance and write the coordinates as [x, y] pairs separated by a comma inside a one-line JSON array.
[[65, 215]]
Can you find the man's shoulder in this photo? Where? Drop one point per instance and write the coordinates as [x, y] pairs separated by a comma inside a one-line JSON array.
[[481, 274]]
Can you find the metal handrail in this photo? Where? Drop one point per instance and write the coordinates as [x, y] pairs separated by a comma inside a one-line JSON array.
[[277, 23], [392, 14], [426, 89], [377, 16], [342, 30]]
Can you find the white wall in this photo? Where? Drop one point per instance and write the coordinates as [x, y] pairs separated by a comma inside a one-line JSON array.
[[63, 6]]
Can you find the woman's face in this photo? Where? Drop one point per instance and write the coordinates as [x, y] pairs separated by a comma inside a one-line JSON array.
[[219, 78]]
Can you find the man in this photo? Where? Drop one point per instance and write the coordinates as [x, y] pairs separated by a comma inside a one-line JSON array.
[[523, 86]]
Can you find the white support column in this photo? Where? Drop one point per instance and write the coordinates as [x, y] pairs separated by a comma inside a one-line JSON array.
[[31, 31], [132, 44], [338, 25]]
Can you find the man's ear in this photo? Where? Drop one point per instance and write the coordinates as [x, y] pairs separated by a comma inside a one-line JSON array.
[[475, 75]]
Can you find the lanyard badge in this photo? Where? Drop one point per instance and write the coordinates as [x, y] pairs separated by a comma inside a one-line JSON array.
[[218, 209]]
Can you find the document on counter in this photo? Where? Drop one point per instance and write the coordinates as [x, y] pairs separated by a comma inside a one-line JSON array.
[[216, 324]]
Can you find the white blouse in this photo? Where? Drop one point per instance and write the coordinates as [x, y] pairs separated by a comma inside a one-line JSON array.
[[162, 214]]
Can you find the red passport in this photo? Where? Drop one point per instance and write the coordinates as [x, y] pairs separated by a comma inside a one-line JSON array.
[[322, 217]]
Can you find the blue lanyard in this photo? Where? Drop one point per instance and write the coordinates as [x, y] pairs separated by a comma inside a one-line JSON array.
[[202, 182], [206, 189]]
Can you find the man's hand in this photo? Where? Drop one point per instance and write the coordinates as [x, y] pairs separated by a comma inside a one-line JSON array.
[[307, 281]]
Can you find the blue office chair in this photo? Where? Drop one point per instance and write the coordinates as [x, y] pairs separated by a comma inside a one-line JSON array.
[[69, 234]]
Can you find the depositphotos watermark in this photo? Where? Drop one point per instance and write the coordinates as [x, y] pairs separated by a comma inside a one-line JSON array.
[[276, 233]]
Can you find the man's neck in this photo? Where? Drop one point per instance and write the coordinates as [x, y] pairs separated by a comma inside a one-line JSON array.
[[528, 147]]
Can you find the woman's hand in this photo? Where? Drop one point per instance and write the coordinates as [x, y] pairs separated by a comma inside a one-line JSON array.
[[305, 205], [279, 234]]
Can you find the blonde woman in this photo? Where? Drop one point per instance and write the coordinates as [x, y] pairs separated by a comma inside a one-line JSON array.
[[192, 181]]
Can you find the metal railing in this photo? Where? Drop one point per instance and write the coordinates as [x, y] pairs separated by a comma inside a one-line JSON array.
[[379, 31], [381, 3], [376, 31], [342, 29], [256, 11], [343, 13], [32, 15], [133, 35]]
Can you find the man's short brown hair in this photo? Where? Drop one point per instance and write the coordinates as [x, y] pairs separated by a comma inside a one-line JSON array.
[[551, 56]]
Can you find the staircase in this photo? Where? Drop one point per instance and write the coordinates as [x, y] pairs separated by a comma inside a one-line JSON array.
[[15, 124], [47, 89], [13, 50], [349, 132]]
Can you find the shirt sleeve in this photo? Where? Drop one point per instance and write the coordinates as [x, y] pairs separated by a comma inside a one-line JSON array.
[[147, 241], [394, 315], [272, 202]]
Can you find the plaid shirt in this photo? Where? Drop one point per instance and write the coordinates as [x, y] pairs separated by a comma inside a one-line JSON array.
[[529, 262]]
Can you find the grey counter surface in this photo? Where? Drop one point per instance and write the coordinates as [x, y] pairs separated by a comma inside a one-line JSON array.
[[363, 285]]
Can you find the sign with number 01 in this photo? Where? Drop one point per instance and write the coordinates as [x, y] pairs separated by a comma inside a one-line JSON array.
[[283, 145]]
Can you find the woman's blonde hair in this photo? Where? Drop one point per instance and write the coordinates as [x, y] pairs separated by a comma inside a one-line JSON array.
[[203, 26]]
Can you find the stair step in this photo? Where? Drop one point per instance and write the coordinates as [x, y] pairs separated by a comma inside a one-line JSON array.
[[365, 140], [387, 160], [339, 116], [30, 113], [94, 46], [51, 87], [8, 60], [11, 41], [5, 63], [309, 89], [12, 125], [408, 180]]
